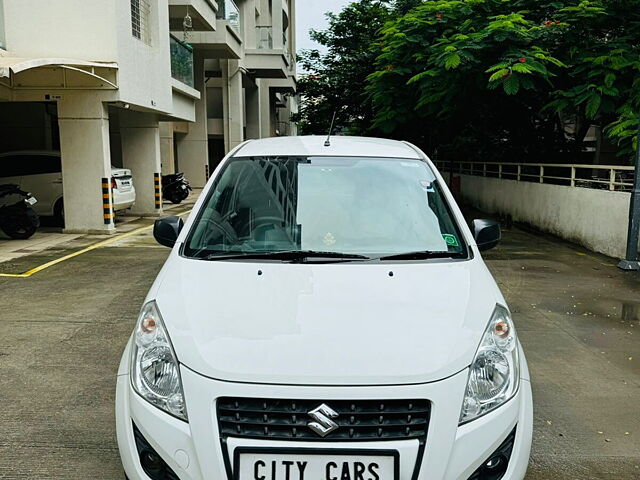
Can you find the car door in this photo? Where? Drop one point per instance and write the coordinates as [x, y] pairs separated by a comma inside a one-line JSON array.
[[42, 177]]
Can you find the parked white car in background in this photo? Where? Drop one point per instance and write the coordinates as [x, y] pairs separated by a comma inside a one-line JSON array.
[[40, 173], [325, 314]]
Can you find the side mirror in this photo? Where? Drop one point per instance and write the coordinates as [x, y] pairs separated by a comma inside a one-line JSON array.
[[166, 230], [487, 234]]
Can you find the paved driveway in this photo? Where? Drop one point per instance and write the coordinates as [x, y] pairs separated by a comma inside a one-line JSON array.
[[63, 331]]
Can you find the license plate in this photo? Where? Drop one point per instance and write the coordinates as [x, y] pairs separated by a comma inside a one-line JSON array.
[[31, 200], [315, 464]]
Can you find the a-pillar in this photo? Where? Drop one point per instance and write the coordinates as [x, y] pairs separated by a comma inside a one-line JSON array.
[[233, 103], [193, 149], [167, 148], [86, 164], [140, 134]]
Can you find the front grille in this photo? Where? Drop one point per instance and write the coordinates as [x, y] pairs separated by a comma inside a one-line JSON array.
[[357, 420]]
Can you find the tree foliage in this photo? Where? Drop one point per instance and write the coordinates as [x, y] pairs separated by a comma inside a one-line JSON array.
[[490, 79], [506, 77], [336, 80]]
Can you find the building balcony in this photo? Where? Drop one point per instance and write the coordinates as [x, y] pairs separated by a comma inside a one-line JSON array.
[[181, 61], [229, 12], [270, 59], [223, 43], [264, 38], [284, 85], [202, 13]]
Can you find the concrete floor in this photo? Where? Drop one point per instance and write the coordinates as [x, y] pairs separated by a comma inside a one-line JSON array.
[[63, 331]]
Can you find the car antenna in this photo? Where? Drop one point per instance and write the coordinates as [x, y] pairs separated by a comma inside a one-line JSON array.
[[327, 142]]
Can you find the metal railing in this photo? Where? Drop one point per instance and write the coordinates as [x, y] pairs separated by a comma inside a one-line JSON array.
[[602, 177], [229, 11], [181, 61], [264, 38]]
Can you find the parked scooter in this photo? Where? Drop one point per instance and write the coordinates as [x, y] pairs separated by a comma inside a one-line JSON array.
[[175, 188], [18, 220]]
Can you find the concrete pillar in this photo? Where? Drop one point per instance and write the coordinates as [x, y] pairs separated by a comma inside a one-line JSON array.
[[252, 99], [266, 110], [86, 164], [193, 149], [248, 16], [278, 27], [167, 148], [140, 134], [292, 27], [293, 110], [233, 103]]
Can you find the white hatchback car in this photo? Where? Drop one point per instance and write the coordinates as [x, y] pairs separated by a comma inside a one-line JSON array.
[[325, 314], [40, 173]]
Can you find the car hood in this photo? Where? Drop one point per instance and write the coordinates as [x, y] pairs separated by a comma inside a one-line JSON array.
[[327, 324]]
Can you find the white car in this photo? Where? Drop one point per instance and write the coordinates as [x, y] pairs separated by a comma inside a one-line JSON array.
[[325, 314], [40, 173]]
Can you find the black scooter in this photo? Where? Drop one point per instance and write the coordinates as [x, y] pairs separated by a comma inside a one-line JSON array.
[[175, 188], [18, 220]]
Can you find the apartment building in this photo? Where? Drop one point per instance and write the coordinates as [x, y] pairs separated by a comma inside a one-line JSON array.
[[246, 73], [151, 85]]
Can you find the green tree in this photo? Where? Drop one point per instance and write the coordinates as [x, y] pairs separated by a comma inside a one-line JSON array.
[[504, 78], [335, 81]]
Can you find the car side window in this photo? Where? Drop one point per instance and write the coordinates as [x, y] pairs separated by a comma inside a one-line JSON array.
[[40, 164], [21, 165], [11, 166]]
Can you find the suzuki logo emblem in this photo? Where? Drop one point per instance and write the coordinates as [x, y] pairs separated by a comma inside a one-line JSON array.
[[323, 424]]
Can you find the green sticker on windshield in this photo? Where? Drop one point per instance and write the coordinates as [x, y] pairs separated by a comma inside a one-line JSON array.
[[450, 240]]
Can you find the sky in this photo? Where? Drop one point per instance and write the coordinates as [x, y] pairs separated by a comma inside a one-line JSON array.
[[310, 15]]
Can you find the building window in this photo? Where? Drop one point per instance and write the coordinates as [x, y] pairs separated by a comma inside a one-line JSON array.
[[140, 13]]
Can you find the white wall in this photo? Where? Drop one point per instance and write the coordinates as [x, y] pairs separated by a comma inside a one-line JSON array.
[[80, 29], [144, 70], [596, 219], [97, 30]]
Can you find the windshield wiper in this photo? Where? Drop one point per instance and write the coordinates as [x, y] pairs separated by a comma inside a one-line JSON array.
[[287, 255], [424, 255]]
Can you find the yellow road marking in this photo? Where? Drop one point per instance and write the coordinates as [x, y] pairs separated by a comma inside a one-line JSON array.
[[594, 259], [95, 246]]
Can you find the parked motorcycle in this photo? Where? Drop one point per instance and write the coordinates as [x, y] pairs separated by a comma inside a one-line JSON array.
[[18, 220], [175, 188]]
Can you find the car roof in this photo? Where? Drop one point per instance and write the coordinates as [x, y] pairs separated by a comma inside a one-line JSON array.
[[341, 146]]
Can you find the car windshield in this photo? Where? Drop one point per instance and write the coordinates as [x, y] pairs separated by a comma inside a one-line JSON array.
[[366, 207]]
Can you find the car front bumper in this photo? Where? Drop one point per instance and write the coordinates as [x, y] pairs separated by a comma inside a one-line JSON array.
[[194, 450]]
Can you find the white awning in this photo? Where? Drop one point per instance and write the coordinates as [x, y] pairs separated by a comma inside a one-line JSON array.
[[17, 65], [14, 65]]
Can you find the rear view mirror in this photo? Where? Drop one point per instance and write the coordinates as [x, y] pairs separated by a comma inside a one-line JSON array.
[[486, 233], [166, 230]]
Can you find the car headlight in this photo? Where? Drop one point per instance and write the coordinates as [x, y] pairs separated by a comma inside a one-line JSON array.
[[155, 373], [494, 375]]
